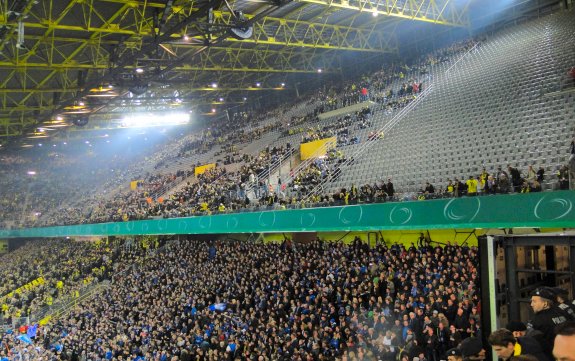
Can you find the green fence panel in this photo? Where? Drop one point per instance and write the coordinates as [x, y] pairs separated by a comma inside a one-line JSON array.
[[547, 209]]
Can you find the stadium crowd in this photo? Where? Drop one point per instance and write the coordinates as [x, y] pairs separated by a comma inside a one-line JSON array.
[[315, 301], [234, 300], [38, 272]]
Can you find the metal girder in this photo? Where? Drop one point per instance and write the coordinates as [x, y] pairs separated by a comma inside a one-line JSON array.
[[269, 31], [15, 125], [443, 12], [89, 39], [285, 32], [294, 60], [220, 65]]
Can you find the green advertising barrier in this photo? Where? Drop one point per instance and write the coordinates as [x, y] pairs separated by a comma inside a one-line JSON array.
[[548, 209]]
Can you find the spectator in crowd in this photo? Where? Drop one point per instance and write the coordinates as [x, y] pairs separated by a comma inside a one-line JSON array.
[[472, 185], [472, 349], [540, 174], [563, 177], [454, 354], [429, 189], [564, 344], [502, 180], [505, 345], [516, 179], [571, 74]]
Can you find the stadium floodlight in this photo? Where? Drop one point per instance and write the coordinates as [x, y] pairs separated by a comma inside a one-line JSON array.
[[153, 120]]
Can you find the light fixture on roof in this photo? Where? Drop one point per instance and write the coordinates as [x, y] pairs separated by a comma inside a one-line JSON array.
[[78, 108], [139, 70], [102, 91], [375, 13], [80, 121], [214, 85], [319, 70], [37, 136], [221, 99], [258, 85], [283, 84], [213, 110], [138, 89]]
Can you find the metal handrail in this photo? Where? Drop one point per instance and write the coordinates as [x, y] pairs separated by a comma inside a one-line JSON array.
[[266, 173]]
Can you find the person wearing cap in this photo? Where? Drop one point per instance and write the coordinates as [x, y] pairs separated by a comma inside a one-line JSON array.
[[472, 349], [454, 354], [564, 345], [547, 316], [505, 345], [562, 295]]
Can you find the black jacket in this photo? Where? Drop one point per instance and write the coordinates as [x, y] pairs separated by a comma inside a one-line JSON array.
[[546, 321], [529, 346]]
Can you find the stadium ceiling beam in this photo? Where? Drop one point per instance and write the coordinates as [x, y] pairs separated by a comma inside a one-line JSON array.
[[191, 88], [89, 12], [218, 58], [214, 60], [442, 12], [268, 31], [298, 33], [166, 94], [184, 68]]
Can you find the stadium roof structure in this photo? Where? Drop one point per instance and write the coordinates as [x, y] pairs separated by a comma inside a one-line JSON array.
[[101, 58]]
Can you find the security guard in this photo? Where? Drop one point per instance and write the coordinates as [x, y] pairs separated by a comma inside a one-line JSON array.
[[547, 316], [562, 302]]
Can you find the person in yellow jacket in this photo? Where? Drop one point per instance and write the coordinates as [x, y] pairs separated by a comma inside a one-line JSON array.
[[471, 186], [60, 286], [221, 208]]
